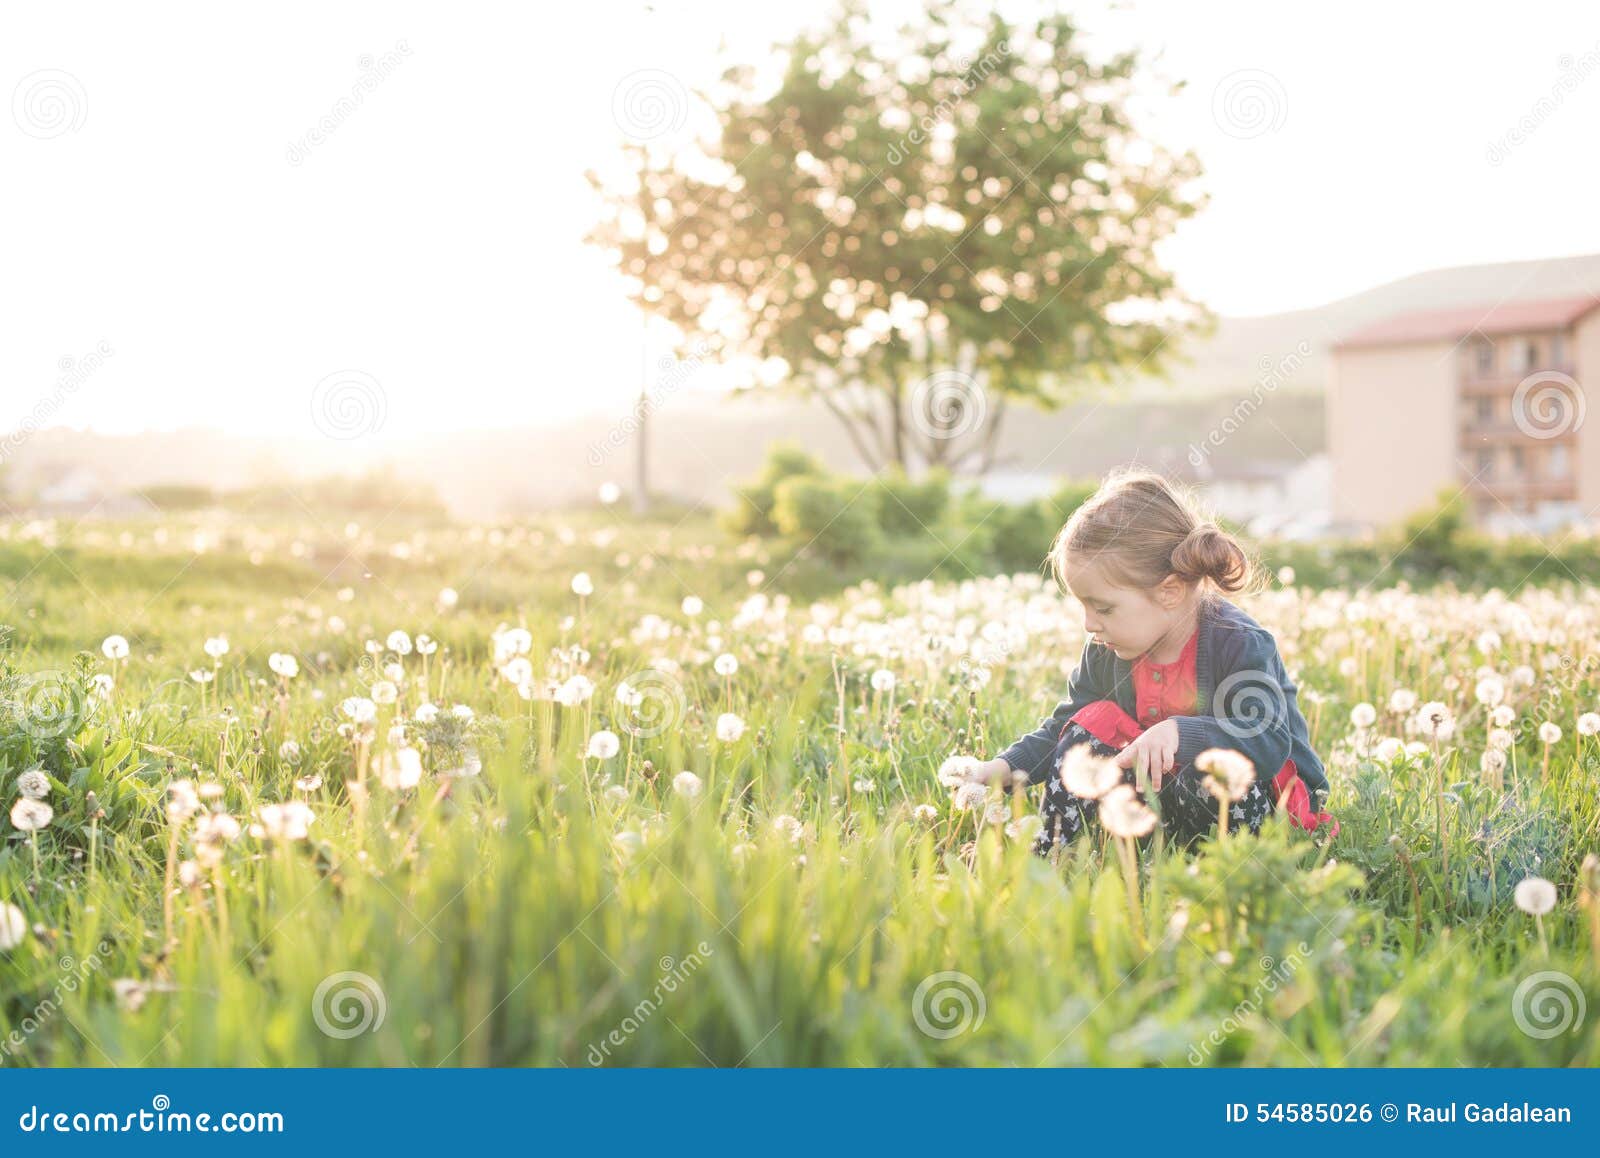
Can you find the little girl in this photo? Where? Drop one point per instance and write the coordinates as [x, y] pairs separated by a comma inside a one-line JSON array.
[[1169, 670]]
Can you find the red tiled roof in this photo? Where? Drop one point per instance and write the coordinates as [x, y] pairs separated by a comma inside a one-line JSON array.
[[1454, 324]]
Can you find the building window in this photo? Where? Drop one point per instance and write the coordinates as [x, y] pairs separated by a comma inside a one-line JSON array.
[[1558, 350], [1485, 409], [1483, 356], [1557, 464], [1527, 354], [1518, 462]]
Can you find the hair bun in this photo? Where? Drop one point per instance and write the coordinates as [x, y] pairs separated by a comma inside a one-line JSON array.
[[1209, 552]]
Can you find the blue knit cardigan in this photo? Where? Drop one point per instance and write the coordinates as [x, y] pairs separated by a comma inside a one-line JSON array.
[[1246, 701]]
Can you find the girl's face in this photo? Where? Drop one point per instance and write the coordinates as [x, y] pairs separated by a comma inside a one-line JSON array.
[[1128, 620]]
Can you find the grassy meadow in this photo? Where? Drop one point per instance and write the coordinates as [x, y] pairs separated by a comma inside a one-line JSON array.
[[590, 791]]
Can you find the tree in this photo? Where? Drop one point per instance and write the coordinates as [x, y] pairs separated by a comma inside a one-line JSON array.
[[917, 233]]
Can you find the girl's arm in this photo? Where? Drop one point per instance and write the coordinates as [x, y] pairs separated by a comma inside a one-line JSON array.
[[1031, 753], [1254, 711]]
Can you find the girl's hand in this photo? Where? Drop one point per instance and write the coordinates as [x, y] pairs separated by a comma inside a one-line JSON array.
[[1153, 751], [995, 771]]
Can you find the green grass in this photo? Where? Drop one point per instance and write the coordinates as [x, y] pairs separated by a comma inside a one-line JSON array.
[[527, 915]]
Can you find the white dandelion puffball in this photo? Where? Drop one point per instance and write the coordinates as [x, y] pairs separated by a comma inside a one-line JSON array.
[[883, 680], [284, 664], [288, 821], [1549, 733], [627, 842], [1490, 691], [426, 645], [29, 815], [729, 727], [788, 826], [692, 605], [360, 709], [34, 784], [427, 713], [201, 676], [217, 646], [1363, 715], [968, 796], [384, 692], [610, 492], [399, 643], [115, 647], [1503, 716], [1088, 776], [1589, 724], [1492, 760], [687, 784], [1229, 774], [604, 745], [1402, 700], [13, 927], [448, 597], [400, 769], [462, 712], [725, 664], [582, 584], [925, 814], [102, 685], [1123, 814], [957, 770], [1435, 721], [1535, 896]]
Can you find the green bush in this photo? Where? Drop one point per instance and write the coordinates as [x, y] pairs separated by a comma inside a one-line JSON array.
[[834, 517], [752, 514], [910, 507]]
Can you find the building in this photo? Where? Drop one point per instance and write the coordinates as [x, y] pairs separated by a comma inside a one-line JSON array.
[[1489, 401]]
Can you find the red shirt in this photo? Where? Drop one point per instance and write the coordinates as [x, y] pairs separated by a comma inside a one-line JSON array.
[[1167, 689]]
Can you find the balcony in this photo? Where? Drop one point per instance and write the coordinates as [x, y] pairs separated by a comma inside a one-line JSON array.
[[1512, 489], [1503, 382], [1504, 432]]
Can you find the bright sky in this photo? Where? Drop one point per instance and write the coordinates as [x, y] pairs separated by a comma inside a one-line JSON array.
[[432, 242]]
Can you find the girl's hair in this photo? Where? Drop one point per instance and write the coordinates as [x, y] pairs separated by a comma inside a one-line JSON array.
[[1142, 528]]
